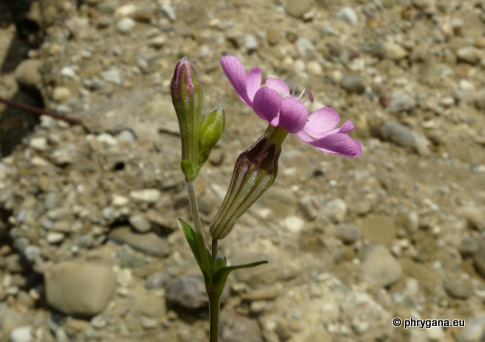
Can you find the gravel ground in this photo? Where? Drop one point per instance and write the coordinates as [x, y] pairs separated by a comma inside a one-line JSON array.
[[89, 243]]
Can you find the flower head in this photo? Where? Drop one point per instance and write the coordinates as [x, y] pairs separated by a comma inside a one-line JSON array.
[[274, 103]]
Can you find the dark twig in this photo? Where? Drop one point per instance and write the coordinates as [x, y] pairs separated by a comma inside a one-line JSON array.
[[40, 111]]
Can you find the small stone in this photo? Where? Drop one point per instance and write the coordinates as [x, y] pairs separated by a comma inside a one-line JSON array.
[[146, 195], [297, 8], [125, 25], [474, 215], [305, 47], [157, 42], [314, 68], [468, 245], [469, 54], [32, 253], [380, 267], [149, 243], [347, 233], [187, 291], [336, 210], [480, 101], [156, 280], [273, 35], [61, 94], [348, 14], [68, 72], [398, 134], [250, 43], [140, 223], [167, 10], [353, 84], [38, 143], [28, 74], [21, 334], [457, 288], [435, 334], [112, 75], [124, 11], [479, 258], [55, 237], [474, 329], [120, 201], [401, 102], [238, 328], [294, 224], [309, 206], [79, 288]]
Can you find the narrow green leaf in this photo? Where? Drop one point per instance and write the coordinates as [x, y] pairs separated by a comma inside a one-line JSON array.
[[220, 275], [191, 239]]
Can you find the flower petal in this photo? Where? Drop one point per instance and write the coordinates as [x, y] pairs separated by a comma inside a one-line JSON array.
[[235, 73], [278, 85], [293, 115], [253, 82], [321, 121], [267, 103], [340, 144], [346, 127]]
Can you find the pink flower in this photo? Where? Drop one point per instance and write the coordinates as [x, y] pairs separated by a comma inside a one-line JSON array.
[[274, 103]]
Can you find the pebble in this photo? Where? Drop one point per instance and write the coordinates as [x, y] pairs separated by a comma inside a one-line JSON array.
[[68, 72], [123, 11], [297, 8], [55, 237], [32, 253], [457, 288], [474, 215], [305, 47], [79, 288], [156, 280], [125, 25], [21, 334], [27, 73], [250, 43], [353, 84], [238, 328], [314, 68], [391, 51], [187, 291], [348, 14], [146, 195], [379, 267], [479, 258], [474, 329], [401, 102], [61, 94], [294, 224], [168, 11], [398, 134], [38, 143], [157, 42], [469, 54], [149, 243], [347, 233], [112, 75], [140, 223], [336, 210]]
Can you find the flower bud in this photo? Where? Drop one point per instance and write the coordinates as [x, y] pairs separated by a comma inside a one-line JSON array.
[[187, 99], [255, 171], [211, 129]]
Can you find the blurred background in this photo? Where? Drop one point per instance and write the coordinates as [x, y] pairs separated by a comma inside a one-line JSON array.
[[90, 248]]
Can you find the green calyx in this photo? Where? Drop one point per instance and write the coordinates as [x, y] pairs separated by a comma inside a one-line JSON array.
[[211, 129]]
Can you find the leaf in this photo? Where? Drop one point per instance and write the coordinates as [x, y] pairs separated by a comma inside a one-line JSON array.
[[191, 239], [220, 275]]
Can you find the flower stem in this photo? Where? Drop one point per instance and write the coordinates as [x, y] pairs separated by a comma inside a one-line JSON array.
[[214, 308], [197, 223]]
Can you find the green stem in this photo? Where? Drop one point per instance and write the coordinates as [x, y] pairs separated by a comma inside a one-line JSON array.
[[197, 223], [214, 308]]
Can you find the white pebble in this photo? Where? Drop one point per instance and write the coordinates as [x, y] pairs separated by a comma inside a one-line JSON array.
[[125, 25], [349, 15]]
